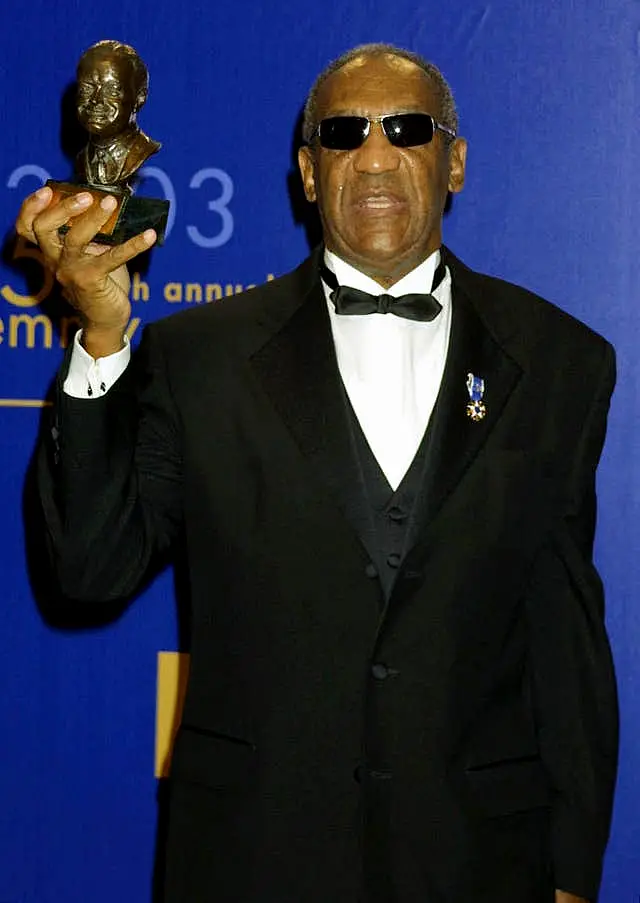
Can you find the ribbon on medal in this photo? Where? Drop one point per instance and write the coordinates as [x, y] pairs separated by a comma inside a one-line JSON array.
[[476, 408]]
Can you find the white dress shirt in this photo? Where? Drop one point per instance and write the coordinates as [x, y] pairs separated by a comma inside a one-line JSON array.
[[391, 367]]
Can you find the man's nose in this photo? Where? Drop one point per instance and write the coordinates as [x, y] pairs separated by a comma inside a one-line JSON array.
[[377, 154], [97, 93]]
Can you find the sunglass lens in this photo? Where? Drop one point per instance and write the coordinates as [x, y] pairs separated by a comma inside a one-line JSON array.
[[342, 132], [409, 129]]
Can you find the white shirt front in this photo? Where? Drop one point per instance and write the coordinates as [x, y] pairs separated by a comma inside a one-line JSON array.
[[391, 367]]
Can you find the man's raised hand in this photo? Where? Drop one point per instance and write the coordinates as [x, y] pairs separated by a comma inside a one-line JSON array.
[[94, 276]]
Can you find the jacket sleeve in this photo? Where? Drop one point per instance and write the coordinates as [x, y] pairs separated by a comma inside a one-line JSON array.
[[572, 674], [110, 480]]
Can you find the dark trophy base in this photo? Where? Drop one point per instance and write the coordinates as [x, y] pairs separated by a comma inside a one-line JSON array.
[[132, 215]]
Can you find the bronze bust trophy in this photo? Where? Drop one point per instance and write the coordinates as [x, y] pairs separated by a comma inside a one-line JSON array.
[[112, 85]]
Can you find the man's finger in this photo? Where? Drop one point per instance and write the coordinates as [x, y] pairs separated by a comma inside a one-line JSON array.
[[39, 220], [87, 224], [30, 208], [46, 224], [54, 215], [118, 255]]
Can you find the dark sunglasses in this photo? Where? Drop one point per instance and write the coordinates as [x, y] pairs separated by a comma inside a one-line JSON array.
[[401, 129]]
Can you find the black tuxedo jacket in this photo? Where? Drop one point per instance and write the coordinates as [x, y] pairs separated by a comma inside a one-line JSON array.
[[454, 742]]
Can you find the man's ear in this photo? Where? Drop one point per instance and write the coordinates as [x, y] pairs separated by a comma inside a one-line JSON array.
[[306, 162], [141, 97], [457, 164]]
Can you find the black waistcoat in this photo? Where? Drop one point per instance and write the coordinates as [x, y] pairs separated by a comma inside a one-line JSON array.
[[389, 518]]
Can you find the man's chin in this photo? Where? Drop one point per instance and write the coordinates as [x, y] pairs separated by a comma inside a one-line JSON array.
[[378, 251], [383, 260], [104, 132]]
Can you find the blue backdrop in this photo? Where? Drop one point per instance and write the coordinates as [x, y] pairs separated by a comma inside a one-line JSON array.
[[548, 97]]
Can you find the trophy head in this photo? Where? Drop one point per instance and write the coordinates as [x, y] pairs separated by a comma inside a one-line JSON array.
[[112, 85]]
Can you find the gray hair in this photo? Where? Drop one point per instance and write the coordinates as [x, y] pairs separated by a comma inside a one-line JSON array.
[[448, 115]]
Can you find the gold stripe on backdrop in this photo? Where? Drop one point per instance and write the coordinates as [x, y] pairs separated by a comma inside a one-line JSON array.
[[173, 671], [23, 403]]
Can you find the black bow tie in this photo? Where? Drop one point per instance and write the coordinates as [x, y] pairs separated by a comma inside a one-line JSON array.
[[348, 300]]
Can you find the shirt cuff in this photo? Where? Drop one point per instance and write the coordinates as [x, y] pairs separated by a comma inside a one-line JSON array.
[[90, 378]]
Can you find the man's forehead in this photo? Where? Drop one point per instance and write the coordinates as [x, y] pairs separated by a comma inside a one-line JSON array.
[[372, 84], [100, 65]]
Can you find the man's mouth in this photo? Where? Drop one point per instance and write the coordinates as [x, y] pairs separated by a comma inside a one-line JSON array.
[[379, 201], [98, 115]]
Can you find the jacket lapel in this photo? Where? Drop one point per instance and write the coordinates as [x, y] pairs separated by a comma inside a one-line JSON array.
[[298, 370], [454, 439]]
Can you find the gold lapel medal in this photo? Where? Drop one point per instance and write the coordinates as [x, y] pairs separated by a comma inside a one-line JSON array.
[[476, 408]]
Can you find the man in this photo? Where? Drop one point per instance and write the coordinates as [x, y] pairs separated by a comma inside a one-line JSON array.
[[400, 689], [112, 86]]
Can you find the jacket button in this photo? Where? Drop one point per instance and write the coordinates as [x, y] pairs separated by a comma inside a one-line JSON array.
[[379, 671], [397, 515], [371, 570], [393, 560]]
